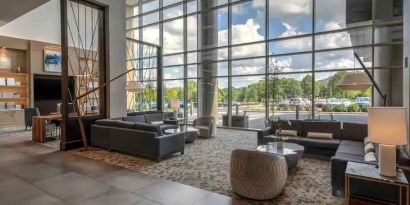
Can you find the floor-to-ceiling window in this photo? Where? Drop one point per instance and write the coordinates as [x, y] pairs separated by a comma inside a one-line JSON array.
[[271, 58]]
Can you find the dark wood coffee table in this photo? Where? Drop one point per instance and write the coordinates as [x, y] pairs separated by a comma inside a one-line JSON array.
[[190, 133], [291, 151]]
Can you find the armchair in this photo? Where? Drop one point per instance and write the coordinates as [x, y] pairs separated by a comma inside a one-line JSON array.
[[206, 126], [29, 113]]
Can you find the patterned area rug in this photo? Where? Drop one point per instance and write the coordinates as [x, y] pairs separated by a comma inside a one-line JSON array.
[[205, 165]]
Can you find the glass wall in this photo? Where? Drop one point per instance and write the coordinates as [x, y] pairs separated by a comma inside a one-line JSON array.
[[274, 58]]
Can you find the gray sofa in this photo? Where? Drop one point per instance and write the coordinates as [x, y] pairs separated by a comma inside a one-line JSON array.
[[136, 138], [152, 117], [312, 146], [347, 145]]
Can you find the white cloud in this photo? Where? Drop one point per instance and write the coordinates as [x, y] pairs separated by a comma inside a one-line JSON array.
[[285, 8], [290, 31]]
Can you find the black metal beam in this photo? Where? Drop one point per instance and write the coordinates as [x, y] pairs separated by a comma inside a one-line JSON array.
[[378, 89]]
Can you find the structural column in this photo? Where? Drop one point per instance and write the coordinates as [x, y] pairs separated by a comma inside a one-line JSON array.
[[209, 91]]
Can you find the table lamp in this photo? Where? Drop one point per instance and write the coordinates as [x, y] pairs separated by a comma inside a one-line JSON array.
[[387, 126], [175, 107]]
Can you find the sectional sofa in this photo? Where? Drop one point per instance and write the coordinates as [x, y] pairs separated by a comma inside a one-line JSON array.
[[346, 145], [133, 137]]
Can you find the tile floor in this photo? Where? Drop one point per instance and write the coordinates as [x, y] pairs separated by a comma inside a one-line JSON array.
[[31, 173]]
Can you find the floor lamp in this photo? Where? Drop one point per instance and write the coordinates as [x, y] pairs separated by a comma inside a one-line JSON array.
[[361, 81]]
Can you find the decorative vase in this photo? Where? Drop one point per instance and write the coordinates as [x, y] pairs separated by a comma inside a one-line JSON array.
[[279, 145]]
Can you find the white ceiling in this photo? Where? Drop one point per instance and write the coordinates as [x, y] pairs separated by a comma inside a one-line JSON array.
[[10, 10], [135, 2]]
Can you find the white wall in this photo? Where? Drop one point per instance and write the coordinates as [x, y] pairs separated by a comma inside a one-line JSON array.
[[117, 46], [40, 24], [43, 24]]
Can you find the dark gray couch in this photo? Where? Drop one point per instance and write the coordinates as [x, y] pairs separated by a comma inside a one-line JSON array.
[[152, 117], [136, 138], [347, 145], [312, 146]]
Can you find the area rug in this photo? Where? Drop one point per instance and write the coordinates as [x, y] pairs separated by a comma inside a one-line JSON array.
[[205, 165]]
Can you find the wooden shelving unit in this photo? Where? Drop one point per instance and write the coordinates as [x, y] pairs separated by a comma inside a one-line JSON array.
[[13, 98]]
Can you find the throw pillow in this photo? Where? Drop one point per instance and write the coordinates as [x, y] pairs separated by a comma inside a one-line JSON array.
[[320, 135], [369, 147], [290, 133], [366, 140], [370, 157], [157, 123]]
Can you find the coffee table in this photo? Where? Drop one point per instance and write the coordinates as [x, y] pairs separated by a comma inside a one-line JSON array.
[[190, 133], [291, 151]]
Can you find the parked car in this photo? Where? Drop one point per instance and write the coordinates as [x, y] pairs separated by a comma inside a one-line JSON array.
[[296, 101], [346, 102], [320, 102], [363, 101]]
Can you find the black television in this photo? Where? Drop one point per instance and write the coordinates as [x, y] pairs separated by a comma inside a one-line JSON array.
[[47, 92]]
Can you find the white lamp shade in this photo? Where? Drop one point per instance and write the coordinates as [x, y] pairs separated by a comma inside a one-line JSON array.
[[175, 104], [355, 81], [388, 125], [135, 86]]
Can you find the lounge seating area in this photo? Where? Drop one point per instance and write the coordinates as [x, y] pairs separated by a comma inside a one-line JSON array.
[[203, 102]]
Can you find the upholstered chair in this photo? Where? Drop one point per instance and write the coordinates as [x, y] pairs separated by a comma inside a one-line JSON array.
[[29, 113], [257, 175], [206, 126]]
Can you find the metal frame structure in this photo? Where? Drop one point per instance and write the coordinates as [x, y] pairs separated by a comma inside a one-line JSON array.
[[372, 25]]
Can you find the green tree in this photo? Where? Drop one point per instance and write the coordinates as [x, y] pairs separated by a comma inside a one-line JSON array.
[[306, 85]]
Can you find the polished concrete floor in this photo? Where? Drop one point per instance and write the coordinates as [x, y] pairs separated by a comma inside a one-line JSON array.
[[31, 173]]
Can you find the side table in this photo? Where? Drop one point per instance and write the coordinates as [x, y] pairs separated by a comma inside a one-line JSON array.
[[370, 173]]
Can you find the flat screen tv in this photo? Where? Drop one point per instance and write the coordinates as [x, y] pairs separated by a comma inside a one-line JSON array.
[[47, 92]]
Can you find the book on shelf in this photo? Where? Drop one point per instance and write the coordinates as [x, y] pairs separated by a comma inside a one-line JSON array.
[[2, 81], [11, 81], [11, 105]]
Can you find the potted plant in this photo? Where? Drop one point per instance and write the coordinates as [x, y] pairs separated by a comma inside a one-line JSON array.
[[279, 127]]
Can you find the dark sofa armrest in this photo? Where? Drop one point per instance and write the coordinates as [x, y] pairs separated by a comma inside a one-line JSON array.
[[263, 132], [169, 144], [171, 122]]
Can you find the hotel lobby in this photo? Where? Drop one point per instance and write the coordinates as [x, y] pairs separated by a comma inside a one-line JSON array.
[[190, 102]]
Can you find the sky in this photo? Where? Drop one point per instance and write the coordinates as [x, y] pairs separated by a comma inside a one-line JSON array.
[[286, 18]]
